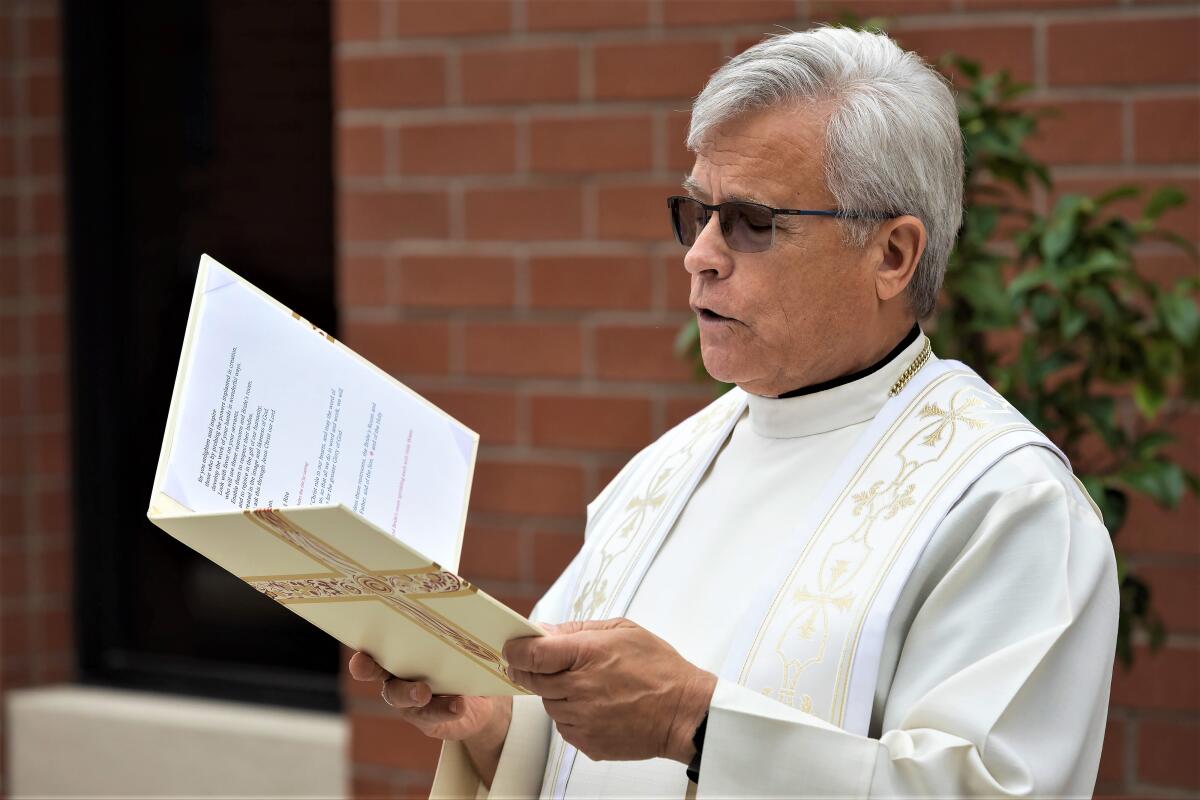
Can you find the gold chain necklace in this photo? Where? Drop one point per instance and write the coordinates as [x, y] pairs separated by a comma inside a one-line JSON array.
[[912, 369]]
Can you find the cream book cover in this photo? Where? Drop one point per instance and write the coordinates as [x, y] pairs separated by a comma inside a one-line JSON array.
[[329, 486]]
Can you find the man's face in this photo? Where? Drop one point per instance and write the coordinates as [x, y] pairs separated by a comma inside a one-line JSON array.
[[788, 315]]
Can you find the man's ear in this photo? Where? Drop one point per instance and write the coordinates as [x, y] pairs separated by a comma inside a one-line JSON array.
[[897, 245]]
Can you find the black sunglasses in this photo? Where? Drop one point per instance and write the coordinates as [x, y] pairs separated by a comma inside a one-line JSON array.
[[747, 227]]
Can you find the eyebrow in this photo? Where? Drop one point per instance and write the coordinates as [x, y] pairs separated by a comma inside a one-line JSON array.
[[693, 188]]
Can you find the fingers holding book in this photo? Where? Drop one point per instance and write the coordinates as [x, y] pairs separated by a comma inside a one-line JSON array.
[[440, 717]]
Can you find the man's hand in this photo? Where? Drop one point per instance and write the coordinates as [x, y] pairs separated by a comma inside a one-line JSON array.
[[615, 690], [480, 723]]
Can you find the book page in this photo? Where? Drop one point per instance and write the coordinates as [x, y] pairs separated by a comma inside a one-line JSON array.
[[275, 414]]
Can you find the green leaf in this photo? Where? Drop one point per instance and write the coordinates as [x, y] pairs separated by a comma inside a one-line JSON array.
[[1101, 299], [1045, 367], [1071, 321], [968, 67], [1160, 479], [1063, 223], [1149, 445], [1148, 399], [1163, 200], [1193, 482], [1116, 193], [1099, 262], [1101, 411], [1174, 238], [1044, 307], [1028, 280], [1180, 315]]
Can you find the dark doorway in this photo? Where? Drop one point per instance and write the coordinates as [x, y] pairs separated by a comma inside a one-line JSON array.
[[193, 126]]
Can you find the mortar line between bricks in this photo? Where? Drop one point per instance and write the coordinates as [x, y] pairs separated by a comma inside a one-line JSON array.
[[1149, 791], [540, 316], [589, 203], [587, 347], [539, 180], [524, 419], [33, 424], [1129, 754], [393, 280], [1140, 558], [546, 456], [659, 292], [42, 126], [1051, 16], [563, 526], [522, 294], [658, 141], [658, 415], [511, 313], [1040, 53], [388, 21], [34, 483], [568, 387], [523, 136], [1126, 171], [1135, 92], [587, 72], [1170, 715], [498, 247], [1128, 144], [454, 82], [486, 111], [654, 16], [456, 201], [654, 30], [518, 17], [457, 355]]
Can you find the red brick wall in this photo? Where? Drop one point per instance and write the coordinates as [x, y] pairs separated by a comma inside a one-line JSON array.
[[501, 171], [35, 602], [504, 249]]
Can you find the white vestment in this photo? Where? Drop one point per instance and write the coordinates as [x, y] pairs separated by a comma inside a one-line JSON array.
[[993, 670]]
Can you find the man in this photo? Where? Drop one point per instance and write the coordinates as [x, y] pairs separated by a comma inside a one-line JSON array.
[[860, 573]]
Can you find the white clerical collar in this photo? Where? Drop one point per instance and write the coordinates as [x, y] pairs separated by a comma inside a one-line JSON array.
[[836, 407]]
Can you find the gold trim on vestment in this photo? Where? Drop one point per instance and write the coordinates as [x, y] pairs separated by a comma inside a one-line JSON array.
[[595, 595], [840, 694], [752, 653]]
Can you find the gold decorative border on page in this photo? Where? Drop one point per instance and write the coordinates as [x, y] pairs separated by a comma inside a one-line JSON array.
[[350, 581]]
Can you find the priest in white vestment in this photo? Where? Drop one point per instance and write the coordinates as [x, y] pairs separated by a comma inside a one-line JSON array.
[[860, 573]]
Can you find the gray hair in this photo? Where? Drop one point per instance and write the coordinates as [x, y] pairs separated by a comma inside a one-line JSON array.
[[893, 143]]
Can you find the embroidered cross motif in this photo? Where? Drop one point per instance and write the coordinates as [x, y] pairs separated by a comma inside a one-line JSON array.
[[948, 419]]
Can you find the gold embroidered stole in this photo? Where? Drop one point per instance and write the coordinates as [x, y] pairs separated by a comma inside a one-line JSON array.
[[813, 640], [640, 508], [629, 523]]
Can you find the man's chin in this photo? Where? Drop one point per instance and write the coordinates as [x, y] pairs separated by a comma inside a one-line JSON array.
[[722, 365]]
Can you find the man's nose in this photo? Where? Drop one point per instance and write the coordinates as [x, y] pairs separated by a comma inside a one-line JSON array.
[[709, 253]]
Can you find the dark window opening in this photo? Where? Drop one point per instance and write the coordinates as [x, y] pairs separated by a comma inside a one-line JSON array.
[[191, 127]]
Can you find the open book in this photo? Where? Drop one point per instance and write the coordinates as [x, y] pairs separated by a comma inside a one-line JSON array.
[[329, 486]]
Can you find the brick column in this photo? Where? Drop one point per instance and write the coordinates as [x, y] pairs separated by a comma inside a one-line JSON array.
[[35, 564]]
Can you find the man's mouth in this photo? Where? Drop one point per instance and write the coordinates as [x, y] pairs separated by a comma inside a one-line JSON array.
[[708, 315]]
